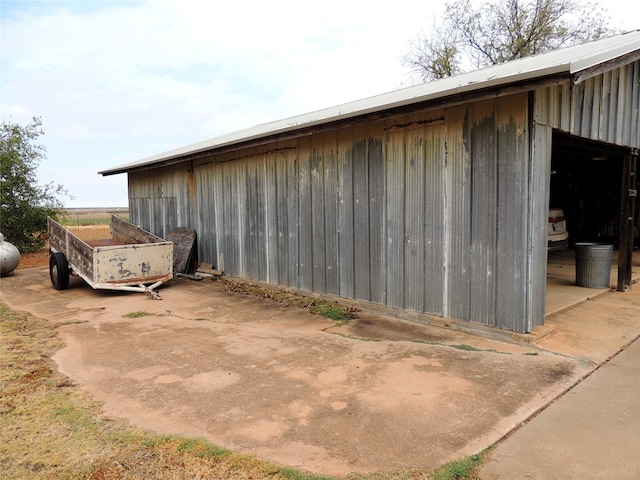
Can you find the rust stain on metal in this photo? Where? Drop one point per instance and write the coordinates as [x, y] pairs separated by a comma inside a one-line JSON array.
[[150, 279], [192, 185]]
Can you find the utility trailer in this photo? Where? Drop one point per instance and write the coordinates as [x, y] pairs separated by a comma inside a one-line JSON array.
[[131, 260]]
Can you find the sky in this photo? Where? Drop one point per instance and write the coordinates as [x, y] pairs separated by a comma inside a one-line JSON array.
[[118, 81]]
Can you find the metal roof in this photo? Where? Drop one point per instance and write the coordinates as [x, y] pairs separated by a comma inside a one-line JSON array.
[[568, 61]]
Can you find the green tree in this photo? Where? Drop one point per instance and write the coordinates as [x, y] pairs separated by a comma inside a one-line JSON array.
[[25, 205], [472, 35]]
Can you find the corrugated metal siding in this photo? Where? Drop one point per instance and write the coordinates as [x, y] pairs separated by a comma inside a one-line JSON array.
[[346, 225], [426, 212], [458, 212], [415, 207], [513, 204], [205, 215], [605, 107], [161, 200], [538, 193]]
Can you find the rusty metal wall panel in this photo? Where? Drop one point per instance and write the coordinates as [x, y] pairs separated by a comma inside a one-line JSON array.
[[305, 229], [279, 250], [165, 216], [458, 281], [361, 237], [537, 218], [252, 204], [422, 198], [156, 192], [377, 259], [435, 233], [272, 250], [140, 211], [344, 156], [328, 147], [317, 211], [233, 260], [553, 106], [359, 220], [487, 213], [395, 219], [250, 218], [207, 197], [292, 182], [512, 207], [605, 107], [413, 235], [210, 198], [279, 247], [634, 126], [483, 220]]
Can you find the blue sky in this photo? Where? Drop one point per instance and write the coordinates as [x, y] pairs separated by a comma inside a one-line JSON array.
[[117, 81]]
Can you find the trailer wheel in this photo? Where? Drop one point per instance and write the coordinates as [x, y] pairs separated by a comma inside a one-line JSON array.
[[59, 271]]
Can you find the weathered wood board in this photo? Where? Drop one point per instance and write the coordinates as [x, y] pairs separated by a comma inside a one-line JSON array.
[[183, 240]]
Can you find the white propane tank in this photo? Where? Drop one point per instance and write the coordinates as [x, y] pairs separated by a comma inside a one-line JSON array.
[[9, 257]]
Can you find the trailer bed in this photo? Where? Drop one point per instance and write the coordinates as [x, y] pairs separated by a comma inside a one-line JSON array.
[[131, 260]]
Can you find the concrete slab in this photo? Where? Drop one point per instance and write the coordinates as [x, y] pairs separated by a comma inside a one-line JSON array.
[[591, 433], [562, 291], [295, 388]]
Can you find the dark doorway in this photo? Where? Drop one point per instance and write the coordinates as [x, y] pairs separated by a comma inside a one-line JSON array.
[[586, 181]]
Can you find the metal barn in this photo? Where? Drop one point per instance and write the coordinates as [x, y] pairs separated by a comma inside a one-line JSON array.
[[431, 199]]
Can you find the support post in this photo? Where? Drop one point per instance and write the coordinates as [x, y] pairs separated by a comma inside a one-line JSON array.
[[628, 195]]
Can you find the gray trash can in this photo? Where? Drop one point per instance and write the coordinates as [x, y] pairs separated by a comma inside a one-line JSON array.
[[593, 264]]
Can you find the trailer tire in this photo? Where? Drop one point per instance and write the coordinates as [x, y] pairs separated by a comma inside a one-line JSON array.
[[59, 271]]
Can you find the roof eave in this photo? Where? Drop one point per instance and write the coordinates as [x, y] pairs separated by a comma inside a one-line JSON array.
[[346, 111]]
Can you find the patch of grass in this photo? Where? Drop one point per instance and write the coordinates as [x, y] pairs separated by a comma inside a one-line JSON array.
[[332, 311], [530, 353], [201, 448], [291, 474], [326, 308], [464, 469], [209, 451], [51, 429], [76, 419], [467, 348], [137, 314]]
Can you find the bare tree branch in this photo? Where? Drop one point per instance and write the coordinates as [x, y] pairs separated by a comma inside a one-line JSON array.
[[472, 35]]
